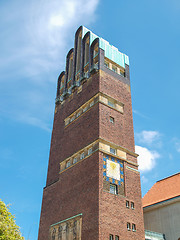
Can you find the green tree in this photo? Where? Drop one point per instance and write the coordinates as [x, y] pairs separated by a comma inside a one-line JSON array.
[[8, 228]]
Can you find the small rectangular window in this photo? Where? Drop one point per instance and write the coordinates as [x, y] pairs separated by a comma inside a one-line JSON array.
[[122, 73], [82, 155], [85, 109], [116, 237], [111, 103], [127, 204], [106, 64], [111, 119], [74, 160], [110, 237], [89, 151], [114, 69], [128, 226], [132, 205], [72, 118], [113, 151], [78, 114], [134, 227], [91, 103], [68, 164], [113, 189]]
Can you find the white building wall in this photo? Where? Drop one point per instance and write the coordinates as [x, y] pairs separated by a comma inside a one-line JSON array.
[[164, 219]]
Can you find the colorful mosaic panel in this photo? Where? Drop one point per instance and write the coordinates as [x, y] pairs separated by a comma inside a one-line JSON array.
[[111, 168]]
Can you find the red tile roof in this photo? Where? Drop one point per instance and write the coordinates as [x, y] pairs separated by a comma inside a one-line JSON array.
[[162, 190]]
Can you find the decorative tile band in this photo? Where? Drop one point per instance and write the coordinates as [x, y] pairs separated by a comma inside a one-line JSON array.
[[112, 150], [132, 169], [100, 97], [79, 156]]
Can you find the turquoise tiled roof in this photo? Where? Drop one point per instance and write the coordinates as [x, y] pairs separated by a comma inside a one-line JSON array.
[[110, 51]]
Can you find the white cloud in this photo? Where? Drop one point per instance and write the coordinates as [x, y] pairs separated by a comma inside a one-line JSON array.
[[148, 137], [35, 40], [34, 122], [177, 144], [144, 179], [139, 114], [147, 159]]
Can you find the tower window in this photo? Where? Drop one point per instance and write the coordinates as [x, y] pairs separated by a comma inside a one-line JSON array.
[[113, 189], [134, 227], [78, 114], [114, 69], [74, 160], [128, 226], [106, 64], [127, 204], [89, 151], [111, 119], [113, 151], [132, 205], [85, 109], [111, 237], [91, 103], [122, 73], [82, 155], [110, 103], [68, 164], [116, 237]]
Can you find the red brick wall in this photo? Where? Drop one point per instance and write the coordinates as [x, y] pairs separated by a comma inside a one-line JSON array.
[[66, 141], [113, 213], [76, 192], [123, 133]]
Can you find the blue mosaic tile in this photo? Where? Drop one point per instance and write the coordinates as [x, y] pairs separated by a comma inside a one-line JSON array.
[[105, 158]]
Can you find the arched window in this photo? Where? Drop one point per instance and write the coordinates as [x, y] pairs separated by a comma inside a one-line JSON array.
[[94, 51], [77, 54], [69, 69], [60, 85], [86, 54]]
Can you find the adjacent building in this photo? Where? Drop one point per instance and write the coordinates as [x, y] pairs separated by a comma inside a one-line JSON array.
[[161, 206], [93, 186]]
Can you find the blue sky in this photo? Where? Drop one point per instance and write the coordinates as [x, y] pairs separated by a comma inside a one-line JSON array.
[[35, 37]]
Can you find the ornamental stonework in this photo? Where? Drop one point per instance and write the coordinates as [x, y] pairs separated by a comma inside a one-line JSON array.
[[69, 229]]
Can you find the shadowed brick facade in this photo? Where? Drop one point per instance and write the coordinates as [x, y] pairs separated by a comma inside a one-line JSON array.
[[93, 173]]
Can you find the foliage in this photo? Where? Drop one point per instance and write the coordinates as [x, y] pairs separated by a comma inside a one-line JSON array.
[[8, 228]]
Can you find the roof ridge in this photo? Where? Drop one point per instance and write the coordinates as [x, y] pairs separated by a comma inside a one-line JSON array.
[[168, 177]]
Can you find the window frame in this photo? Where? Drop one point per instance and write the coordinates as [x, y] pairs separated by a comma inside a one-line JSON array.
[[111, 119], [114, 150], [111, 237], [127, 204], [68, 163], [74, 160], [133, 227], [90, 151], [111, 103], [115, 191], [82, 156], [128, 226]]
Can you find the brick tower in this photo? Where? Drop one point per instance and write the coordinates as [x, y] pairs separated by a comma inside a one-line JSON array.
[[93, 187]]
